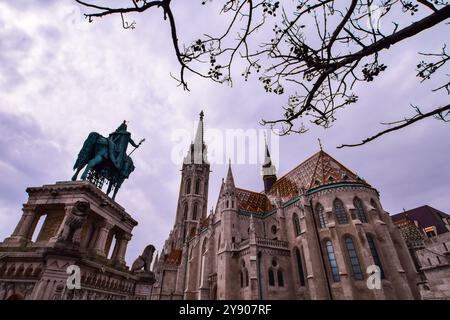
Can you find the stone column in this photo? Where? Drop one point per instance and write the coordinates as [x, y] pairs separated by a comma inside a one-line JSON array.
[[22, 232], [102, 236], [121, 244]]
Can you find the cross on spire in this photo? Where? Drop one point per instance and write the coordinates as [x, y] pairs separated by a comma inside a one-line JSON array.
[[320, 144]]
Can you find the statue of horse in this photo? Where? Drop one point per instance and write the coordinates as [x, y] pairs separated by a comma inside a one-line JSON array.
[[95, 155]]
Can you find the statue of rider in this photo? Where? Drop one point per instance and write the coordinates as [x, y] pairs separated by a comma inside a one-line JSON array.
[[117, 145]]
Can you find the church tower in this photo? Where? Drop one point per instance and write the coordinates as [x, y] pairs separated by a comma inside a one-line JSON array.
[[228, 208], [193, 195]]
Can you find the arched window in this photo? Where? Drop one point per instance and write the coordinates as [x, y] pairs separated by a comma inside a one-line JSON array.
[[280, 278], [246, 277], [321, 215], [332, 261], [185, 211], [296, 224], [197, 186], [375, 256], [188, 186], [360, 213], [301, 274], [353, 257], [194, 212], [242, 278], [218, 243], [339, 211], [271, 278]]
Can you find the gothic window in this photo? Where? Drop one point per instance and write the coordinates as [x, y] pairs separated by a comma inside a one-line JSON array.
[[218, 243], [242, 278], [246, 277], [301, 274], [353, 257], [197, 186], [296, 224], [188, 186], [185, 212], [194, 212], [321, 215], [360, 213], [280, 278], [332, 261], [375, 256], [271, 278], [339, 211]]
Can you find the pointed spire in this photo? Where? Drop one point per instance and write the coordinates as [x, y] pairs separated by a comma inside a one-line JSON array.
[[229, 182], [268, 168], [197, 151], [199, 135]]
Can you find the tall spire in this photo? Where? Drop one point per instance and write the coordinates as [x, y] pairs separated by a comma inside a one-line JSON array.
[[229, 182], [268, 169], [197, 151]]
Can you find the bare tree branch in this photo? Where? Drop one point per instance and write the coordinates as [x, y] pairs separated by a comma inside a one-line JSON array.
[[441, 113]]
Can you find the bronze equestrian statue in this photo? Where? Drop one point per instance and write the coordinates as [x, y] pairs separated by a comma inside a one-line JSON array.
[[106, 158]]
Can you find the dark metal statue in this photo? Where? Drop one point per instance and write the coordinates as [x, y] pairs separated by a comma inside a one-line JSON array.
[[106, 159]]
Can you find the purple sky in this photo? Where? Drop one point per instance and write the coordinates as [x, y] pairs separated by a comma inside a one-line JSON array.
[[61, 78]]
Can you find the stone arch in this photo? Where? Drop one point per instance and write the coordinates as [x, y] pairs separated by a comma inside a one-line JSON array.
[[29, 270], [11, 270], [214, 292], [20, 270], [3, 269], [35, 232], [299, 264]]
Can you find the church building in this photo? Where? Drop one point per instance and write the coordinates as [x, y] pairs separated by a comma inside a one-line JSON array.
[[313, 233]]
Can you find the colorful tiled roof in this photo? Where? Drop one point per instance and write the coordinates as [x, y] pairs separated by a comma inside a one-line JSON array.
[[253, 201], [319, 170]]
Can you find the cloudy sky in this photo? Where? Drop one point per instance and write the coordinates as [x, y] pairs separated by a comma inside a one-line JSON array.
[[61, 78]]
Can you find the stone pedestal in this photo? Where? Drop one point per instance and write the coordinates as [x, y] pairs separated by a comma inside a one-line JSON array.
[[79, 218]]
